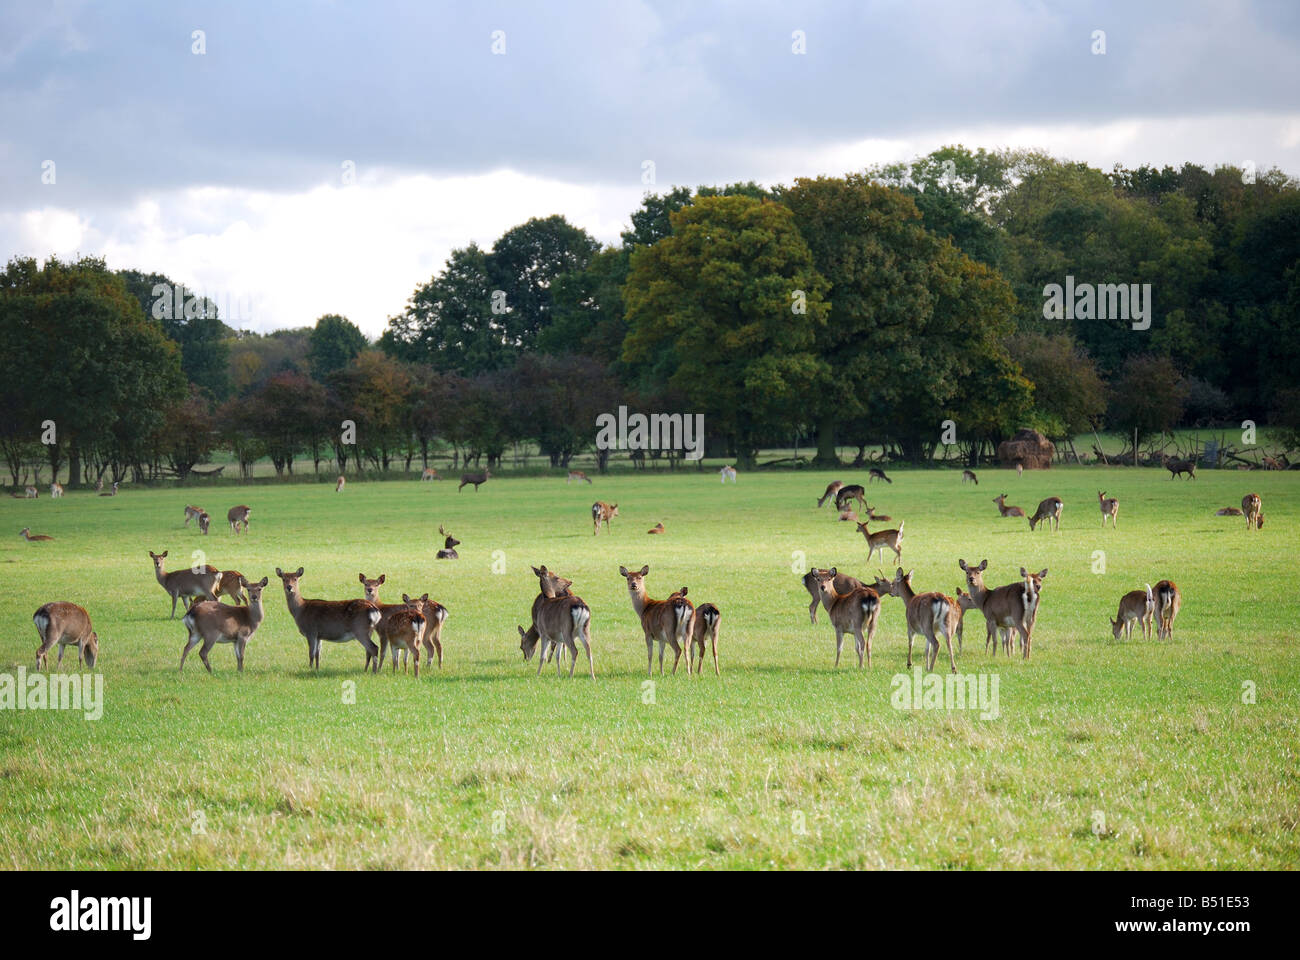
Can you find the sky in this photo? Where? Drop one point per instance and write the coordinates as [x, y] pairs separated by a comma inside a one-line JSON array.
[[292, 159]]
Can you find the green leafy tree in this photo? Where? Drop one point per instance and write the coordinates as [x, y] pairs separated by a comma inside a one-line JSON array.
[[191, 320], [334, 343]]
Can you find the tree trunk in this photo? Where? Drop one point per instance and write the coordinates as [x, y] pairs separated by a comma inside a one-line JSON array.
[[826, 455]]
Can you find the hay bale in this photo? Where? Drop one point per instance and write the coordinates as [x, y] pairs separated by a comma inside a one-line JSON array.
[[1029, 449]]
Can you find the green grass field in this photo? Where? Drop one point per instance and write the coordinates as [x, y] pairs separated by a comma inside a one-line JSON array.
[[1129, 755]]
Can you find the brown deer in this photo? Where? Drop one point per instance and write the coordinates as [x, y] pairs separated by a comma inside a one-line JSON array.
[[602, 512], [667, 621], [928, 614], [843, 584], [559, 618], [26, 534], [393, 625], [1004, 510], [728, 473], [1136, 605], [850, 493], [873, 517], [1109, 508], [1228, 512], [1048, 513], [832, 489], [1169, 600], [876, 542], [847, 515], [56, 489], [577, 475], [428, 473], [1014, 605], [111, 493], [230, 585], [214, 623], [1253, 508], [875, 473], [1177, 467], [435, 615], [237, 516], [449, 545], [969, 475], [340, 483], [334, 620], [192, 513], [205, 522], [657, 528], [481, 477], [186, 584], [707, 618], [967, 602], [30, 493], [66, 624], [855, 612], [559, 587]]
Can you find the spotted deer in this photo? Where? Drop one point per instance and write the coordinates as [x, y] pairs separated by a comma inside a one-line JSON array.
[[205, 522], [1177, 467], [706, 620], [855, 612], [31, 493], [929, 614], [832, 488], [67, 625], [577, 475], [212, 623], [667, 621], [1109, 508], [56, 489], [239, 516], [1004, 510], [334, 620], [969, 475], [435, 615], [728, 473], [186, 584], [1169, 600], [340, 483], [1048, 514], [192, 513], [559, 587], [877, 542], [602, 512], [657, 528], [1014, 605], [843, 584], [428, 473], [1136, 605], [847, 515], [395, 627], [1253, 508]]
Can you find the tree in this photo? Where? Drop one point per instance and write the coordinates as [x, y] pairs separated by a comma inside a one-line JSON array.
[[1069, 395], [192, 321], [376, 391], [334, 343], [188, 433], [1147, 396]]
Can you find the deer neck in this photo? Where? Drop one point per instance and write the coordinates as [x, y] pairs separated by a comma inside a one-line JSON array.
[[160, 574], [293, 600], [638, 599], [255, 612]]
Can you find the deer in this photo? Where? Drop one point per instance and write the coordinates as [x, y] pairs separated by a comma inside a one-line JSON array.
[[657, 528], [236, 516], [1048, 512], [110, 493], [893, 539], [214, 623], [1177, 467], [192, 513], [1169, 600], [1228, 512], [475, 478], [205, 522], [667, 621], [855, 612], [707, 618], [428, 473], [340, 483], [577, 475], [728, 473], [26, 534], [396, 626], [873, 517], [230, 585], [1253, 507], [31, 493], [529, 638], [967, 602], [850, 493], [1109, 508], [449, 545], [847, 515], [1136, 605], [928, 614], [1006, 511], [334, 620], [875, 473], [969, 475], [843, 584], [1014, 605], [186, 584], [56, 490], [65, 624], [1020, 469], [602, 512], [559, 618], [435, 615], [832, 489]]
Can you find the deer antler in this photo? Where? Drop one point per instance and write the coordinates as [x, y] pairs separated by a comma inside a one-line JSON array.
[[442, 531]]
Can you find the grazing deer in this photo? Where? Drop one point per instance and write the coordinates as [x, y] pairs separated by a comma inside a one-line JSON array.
[[192, 513], [1006, 511], [236, 516], [435, 615], [26, 534], [475, 478], [215, 623], [855, 612], [667, 621], [30, 493], [1253, 507], [1139, 605], [969, 475], [449, 545], [334, 620], [1176, 467], [602, 512], [1169, 600], [1014, 605], [1228, 512], [231, 585], [66, 624], [340, 483], [1048, 513], [850, 493], [843, 584], [111, 493], [428, 473], [657, 528], [928, 614], [728, 473], [186, 584], [875, 473], [559, 616], [56, 489], [832, 489], [707, 618], [577, 475], [847, 515], [204, 523], [1109, 508], [876, 542]]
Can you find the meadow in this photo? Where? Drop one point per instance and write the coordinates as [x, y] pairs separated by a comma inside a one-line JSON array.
[[1104, 754]]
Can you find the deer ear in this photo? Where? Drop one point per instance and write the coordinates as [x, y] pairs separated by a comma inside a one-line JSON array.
[[383, 577], [163, 554], [279, 572], [622, 571], [1023, 573], [645, 569], [1042, 573], [833, 571], [265, 581], [361, 577], [405, 599], [984, 565], [962, 564], [299, 573]]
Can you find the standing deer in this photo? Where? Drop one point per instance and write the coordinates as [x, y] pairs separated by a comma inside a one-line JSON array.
[[428, 473], [435, 615], [1177, 467], [340, 483], [449, 545], [186, 584], [832, 489], [855, 612], [1006, 511], [928, 614], [707, 618], [192, 513], [334, 620], [56, 489], [26, 534], [969, 475], [66, 624], [1014, 605], [1048, 513], [236, 516], [396, 626], [876, 542], [475, 478], [1253, 508], [602, 512], [560, 588], [1109, 508], [1169, 600], [577, 475], [214, 623], [843, 584], [667, 621], [111, 493], [850, 493], [204, 523], [230, 585], [560, 617], [1139, 605], [728, 473], [875, 473], [30, 493]]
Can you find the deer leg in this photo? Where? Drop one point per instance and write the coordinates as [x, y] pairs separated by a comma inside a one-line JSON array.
[[951, 659], [649, 656], [173, 606], [239, 652], [191, 642], [717, 671], [909, 648], [839, 645], [677, 656], [438, 645], [586, 643], [860, 643], [573, 656], [541, 657], [812, 610], [203, 655]]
